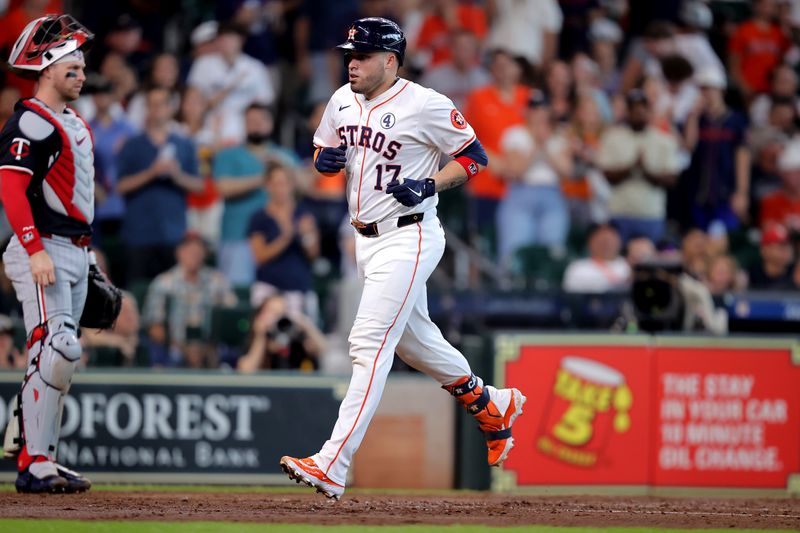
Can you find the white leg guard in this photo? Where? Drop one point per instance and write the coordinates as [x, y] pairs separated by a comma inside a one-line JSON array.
[[12, 440], [48, 380]]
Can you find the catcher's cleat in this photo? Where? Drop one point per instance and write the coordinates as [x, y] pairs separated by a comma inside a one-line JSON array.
[[307, 471], [494, 409], [75, 482], [40, 477]]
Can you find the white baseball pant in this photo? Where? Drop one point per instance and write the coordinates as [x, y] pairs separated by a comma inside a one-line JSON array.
[[392, 316]]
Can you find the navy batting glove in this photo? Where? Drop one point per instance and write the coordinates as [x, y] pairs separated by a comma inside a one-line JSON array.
[[411, 192], [331, 160]]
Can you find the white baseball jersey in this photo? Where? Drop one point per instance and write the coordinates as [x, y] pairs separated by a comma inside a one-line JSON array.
[[401, 133]]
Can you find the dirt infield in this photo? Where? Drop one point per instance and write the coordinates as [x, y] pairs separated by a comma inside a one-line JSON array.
[[490, 509]]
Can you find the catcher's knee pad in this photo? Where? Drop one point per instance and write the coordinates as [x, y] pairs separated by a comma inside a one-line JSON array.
[[47, 381], [470, 392]]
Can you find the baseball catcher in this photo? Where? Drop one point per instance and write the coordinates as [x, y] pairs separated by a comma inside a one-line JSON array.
[[47, 188]]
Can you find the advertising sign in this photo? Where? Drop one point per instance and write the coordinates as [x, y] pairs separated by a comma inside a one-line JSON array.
[[726, 417], [187, 427], [586, 418], [652, 412]]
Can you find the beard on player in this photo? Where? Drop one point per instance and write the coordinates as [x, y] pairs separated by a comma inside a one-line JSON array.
[[370, 73]]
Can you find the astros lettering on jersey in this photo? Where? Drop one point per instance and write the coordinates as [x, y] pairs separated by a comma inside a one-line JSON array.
[[401, 133]]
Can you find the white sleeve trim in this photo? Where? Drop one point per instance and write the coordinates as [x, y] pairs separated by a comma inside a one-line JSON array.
[[14, 167]]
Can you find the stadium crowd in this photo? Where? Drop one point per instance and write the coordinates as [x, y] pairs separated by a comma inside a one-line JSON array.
[[618, 132]]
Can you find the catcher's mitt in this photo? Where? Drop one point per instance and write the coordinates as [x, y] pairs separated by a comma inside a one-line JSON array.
[[103, 301]]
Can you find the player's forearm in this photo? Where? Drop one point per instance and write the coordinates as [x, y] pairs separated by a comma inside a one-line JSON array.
[[13, 184], [452, 175]]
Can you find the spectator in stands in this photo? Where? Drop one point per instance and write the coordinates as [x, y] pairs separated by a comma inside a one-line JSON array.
[[639, 249], [11, 356], [586, 79], [9, 95], [766, 145], [723, 277], [163, 72], [491, 110], [783, 206], [124, 38], [122, 76], [534, 161], [694, 251], [691, 39], [239, 177], [605, 270], [231, 80], [526, 28], [680, 92], [559, 89], [645, 53], [783, 85], [259, 19], [574, 36], [156, 169], [774, 272], [282, 340], [433, 42], [605, 36], [324, 196], [640, 162], [718, 178], [204, 208], [110, 134], [462, 73], [284, 241], [755, 48], [178, 306], [204, 38], [117, 346], [325, 23], [586, 190]]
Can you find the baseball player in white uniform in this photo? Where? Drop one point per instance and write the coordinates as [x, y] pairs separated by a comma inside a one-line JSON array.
[[388, 134]]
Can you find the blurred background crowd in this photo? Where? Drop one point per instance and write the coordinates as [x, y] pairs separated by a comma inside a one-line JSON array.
[[621, 134]]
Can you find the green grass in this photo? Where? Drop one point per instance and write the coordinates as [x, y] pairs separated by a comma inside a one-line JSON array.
[[72, 526]]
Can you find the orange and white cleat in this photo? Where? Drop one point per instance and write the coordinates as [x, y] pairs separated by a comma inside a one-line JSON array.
[[494, 409], [306, 471]]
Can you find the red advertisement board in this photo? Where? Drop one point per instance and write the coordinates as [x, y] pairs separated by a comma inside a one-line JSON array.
[[586, 420], [726, 417], [688, 416]]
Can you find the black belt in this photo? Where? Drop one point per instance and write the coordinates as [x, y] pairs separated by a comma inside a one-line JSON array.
[[371, 229], [78, 240]]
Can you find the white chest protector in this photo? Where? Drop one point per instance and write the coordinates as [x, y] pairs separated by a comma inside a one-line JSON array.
[[69, 184]]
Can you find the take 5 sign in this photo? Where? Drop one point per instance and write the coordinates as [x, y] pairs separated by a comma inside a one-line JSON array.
[[633, 411], [586, 418]]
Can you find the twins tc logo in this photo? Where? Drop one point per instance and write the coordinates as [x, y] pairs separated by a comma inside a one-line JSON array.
[[588, 401], [20, 148]]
